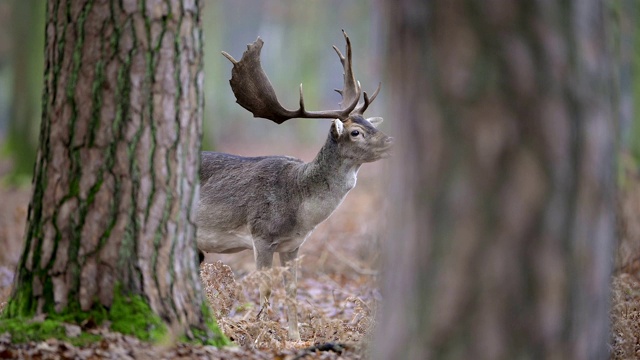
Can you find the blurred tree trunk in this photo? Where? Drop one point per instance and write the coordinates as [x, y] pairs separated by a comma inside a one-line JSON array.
[[623, 15], [28, 39], [627, 52], [115, 185], [630, 11], [503, 234]]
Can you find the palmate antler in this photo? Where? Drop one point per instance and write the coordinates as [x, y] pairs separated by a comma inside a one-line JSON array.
[[254, 92]]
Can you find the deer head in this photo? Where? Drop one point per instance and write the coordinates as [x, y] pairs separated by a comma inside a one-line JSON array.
[[358, 140]]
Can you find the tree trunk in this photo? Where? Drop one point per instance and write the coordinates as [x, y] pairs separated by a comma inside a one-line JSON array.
[[627, 52], [502, 238], [116, 178]]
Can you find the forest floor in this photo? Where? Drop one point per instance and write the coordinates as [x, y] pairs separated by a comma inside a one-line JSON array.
[[337, 289], [625, 302]]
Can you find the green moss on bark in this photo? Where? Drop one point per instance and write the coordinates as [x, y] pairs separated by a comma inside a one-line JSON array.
[[133, 316], [24, 331], [130, 315], [20, 304], [211, 334]]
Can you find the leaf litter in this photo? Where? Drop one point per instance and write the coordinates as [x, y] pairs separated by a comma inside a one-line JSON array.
[[337, 295]]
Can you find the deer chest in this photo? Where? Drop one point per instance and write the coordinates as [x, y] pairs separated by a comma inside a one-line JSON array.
[[317, 209]]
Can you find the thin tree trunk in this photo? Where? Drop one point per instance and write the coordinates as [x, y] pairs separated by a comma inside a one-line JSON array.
[[116, 178], [503, 234]]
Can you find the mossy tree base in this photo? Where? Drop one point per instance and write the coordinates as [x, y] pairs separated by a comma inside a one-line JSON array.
[[128, 315], [111, 222]]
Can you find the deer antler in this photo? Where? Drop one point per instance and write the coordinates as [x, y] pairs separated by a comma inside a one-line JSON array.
[[254, 91], [351, 88]]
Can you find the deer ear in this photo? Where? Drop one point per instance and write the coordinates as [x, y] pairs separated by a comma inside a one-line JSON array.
[[375, 121], [337, 128]]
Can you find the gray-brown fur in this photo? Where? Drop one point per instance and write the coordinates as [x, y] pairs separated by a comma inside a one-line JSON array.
[[272, 203], [277, 201], [280, 199]]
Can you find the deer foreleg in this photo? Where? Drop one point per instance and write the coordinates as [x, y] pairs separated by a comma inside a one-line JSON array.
[[264, 260], [291, 286]]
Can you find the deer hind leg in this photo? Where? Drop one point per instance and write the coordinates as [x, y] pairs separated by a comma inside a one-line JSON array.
[[264, 260], [291, 287]]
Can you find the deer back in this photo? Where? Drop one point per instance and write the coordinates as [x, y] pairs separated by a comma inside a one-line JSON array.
[[258, 192]]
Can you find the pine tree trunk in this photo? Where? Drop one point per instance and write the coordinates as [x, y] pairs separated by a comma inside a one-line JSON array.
[[116, 178], [502, 241]]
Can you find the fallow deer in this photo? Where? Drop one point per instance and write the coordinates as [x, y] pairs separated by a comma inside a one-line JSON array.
[[272, 204]]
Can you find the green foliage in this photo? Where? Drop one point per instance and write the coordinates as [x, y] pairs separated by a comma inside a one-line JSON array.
[[27, 64], [20, 175]]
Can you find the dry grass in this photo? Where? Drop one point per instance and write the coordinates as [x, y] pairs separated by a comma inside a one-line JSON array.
[[337, 289], [625, 289], [329, 312], [625, 317]]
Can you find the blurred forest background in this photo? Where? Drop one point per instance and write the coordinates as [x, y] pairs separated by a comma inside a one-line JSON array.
[[298, 37]]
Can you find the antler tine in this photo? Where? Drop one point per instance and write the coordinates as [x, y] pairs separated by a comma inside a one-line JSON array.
[[367, 101], [226, 54], [301, 98], [254, 92], [350, 88]]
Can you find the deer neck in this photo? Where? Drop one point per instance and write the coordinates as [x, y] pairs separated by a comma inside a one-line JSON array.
[[330, 171]]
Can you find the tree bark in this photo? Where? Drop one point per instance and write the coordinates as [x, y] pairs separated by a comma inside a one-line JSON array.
[[116, 178], [503, 231]]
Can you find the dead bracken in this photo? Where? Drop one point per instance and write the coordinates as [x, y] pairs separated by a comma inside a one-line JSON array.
[[337, 296], [329, 314]]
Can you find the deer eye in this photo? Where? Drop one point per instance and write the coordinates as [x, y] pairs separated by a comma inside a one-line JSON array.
[[355, 133]]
